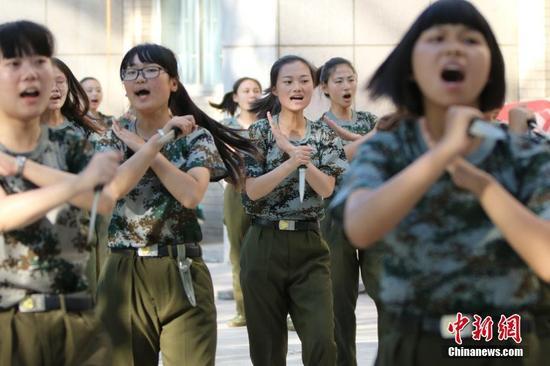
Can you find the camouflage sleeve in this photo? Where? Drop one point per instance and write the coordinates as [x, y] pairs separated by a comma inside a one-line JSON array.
[[202, 152], [79, 151], [534, 175], [329, 154], [253, 167], [365, 122], [369, 169]]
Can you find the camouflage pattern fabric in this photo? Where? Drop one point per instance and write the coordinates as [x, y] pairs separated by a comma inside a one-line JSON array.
[[446, 255], [149, 214], [284, 201], [50, 255], [361, 122], [233, 123]]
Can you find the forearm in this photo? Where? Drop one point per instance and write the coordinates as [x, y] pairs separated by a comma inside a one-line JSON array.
[[22, 209], [261, 186], [182, 186], [351, 148], [526, 233], [320, 182], [371, 214], [45, 176]]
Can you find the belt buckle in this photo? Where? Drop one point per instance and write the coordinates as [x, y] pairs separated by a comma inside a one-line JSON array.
[[148, 251], [33, 303], [287, 225], [446, 319]]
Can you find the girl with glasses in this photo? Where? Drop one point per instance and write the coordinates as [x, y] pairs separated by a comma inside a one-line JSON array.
[[155, 293]]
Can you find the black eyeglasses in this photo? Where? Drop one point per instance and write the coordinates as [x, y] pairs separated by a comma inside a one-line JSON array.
[[148, 72]]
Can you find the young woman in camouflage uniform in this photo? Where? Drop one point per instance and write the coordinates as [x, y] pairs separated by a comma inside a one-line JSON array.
[[94, 91], [155, 292], [69, 104], [450, 209], [46, 315], [284, 262], [338, 82], [245, 91]]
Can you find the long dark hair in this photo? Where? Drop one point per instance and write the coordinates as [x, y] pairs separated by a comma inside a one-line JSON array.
[[324, 72], [24, 38], [393, 78], [229, 143], [76, 106], [228, 104], [270, 102]]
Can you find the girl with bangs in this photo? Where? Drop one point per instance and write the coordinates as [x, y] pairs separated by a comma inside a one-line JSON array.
[[450, 208], [244, 93], [155, 292], [69, 104], [284, 261], [46, 181]]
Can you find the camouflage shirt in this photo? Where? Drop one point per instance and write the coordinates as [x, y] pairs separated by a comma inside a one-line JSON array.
[[233, 123], [361, 122], [50, 255], [446, 255], [284, 201], [149, 214]]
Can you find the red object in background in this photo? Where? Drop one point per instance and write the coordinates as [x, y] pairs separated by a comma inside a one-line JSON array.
[[541, 108]]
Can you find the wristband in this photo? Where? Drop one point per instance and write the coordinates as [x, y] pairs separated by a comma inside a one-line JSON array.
[[20, 161]]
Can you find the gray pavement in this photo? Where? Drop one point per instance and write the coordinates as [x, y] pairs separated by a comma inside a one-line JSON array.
[[233, 342]]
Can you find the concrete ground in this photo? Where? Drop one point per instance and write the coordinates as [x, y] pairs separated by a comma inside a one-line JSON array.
[[233, 342]]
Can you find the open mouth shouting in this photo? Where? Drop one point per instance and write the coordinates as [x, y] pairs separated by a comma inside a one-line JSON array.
[[142, 93], [297, 98], [347, 97], [30, 93], [453, 74]]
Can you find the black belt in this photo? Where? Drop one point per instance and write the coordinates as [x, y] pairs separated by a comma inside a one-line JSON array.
[[192, 250], [288, 225], [43, 302]]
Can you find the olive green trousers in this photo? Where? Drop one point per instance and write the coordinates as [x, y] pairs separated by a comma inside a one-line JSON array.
[[145, 310], [286, 272], [237, 223], [53, 338]]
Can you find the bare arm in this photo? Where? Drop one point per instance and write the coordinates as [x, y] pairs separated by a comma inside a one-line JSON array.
[[21, 209], [371, 214], [186, 187], [261, 186], [321, 183], [351, 148]]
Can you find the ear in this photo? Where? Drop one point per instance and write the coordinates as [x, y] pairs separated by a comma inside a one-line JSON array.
[[274, 91], [173, 84], [234, 97], [324, 88]]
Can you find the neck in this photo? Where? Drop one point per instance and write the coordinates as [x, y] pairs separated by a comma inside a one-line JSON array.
[[342, 113], [246, 118], [435, 121], [19, 136], [148, 123], [52, 117], [292, 124], [94, 113]]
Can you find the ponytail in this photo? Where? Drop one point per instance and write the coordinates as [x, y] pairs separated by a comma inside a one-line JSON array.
[[269, 103], [227, 104], [229, 143]]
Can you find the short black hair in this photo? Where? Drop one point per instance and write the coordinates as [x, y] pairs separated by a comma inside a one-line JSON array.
[[393, 78], [25, 38]]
